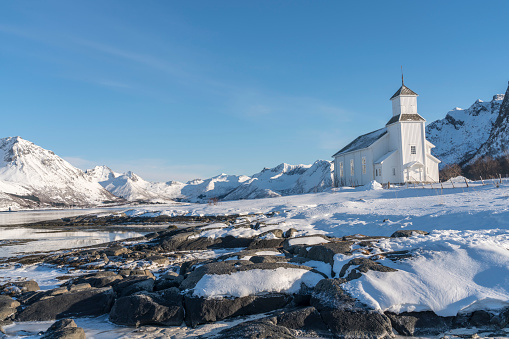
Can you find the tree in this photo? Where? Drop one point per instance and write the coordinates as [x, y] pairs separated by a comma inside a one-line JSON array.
[[485, 167], [450, 171]]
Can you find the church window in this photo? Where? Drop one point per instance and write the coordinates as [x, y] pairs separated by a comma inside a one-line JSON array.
[[341, 169], [363, 165], [413, 149], [351, 167], [394, 171]]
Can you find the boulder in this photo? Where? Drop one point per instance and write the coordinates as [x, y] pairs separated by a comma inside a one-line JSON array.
[[328, 294], [420, 323], [357, 324], [304, 319], [355, 267], [166, 282], [100, 279], [161, 308], [7, 307], [258, 329], [116, 250], [27, 286], [134, 284], [201, 310], [64, 329], [326, 252], [407, 233], [90, 302]]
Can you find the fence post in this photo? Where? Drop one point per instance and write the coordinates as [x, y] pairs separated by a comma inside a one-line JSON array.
[[482, 180], [466, 182], [388, 185], [452, 183], [500, 177]]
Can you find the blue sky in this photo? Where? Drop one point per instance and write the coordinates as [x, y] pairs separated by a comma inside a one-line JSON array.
[[176, 90]]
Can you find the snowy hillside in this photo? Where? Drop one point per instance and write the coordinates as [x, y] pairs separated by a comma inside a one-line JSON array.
[[31, 176], [283, 179], [459, 135]]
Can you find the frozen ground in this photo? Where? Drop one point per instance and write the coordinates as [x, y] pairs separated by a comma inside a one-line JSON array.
[[461, 266]]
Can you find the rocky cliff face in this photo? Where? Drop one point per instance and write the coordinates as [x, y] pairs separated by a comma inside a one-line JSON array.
[[498, 141], [459, 136]]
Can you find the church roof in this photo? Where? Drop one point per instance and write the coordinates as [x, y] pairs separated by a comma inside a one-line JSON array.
[[405, 117], [363, 141], [403, 90]]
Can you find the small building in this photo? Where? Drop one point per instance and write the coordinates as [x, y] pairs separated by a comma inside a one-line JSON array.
[[396, 153]]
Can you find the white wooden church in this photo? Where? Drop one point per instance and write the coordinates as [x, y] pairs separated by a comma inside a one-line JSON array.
[[397, 153]]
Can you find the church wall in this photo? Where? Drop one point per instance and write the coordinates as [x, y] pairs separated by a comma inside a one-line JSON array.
[[395, 143], [411, 133]]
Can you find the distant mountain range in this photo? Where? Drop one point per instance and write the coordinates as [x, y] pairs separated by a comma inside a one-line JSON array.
[[32, 177], [270, 182]]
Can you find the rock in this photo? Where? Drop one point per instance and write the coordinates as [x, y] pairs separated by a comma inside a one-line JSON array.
[[129, 273], [167, 282], [64, 329], [101, 279], [133, 284], [162, 308], [91, 302], [272, 233], [306, 319], [257, 244], [79, 287], [326, 252], [407, 233], [158, 259], [201, 310], [258, 329], [328, 293], [27, 286], [357, 324], [420, 323], [361, 265], [7, 307], [116, 250], [290, 233]]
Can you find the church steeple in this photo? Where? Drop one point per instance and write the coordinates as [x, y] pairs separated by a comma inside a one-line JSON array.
[[404, 101]]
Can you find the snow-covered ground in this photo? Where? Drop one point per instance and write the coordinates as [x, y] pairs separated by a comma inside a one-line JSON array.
[[463, 265]]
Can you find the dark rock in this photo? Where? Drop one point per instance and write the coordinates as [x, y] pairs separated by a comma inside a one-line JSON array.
[[258, 329], [290, 233], [357, 324], [480, 318], [116, 250], [7, 307], [328, 294], [407, 233], [134, 284], [265, 243], [27, 286], [201, 310], [129, 273], [363, 265], [306, 319], [91, 302], [158, 259], [168, 282], [64, 329], [420, 323], [162, 308], [101, 279], [277, 233], [326, 252]]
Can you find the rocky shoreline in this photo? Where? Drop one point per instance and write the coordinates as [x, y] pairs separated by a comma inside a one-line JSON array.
[[178, 276]]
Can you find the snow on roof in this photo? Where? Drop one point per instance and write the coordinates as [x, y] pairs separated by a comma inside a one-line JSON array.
[[403, 90], [385, 156], [405, 117], [363, 141]]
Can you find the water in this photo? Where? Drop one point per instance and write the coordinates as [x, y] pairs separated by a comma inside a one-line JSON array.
[[25, 217]]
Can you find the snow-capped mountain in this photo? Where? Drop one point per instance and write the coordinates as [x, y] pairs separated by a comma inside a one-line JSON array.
[[31, 176], [461, 133], [498, 141], [284, 179]]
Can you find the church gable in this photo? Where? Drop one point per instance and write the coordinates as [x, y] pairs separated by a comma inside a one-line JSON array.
[[405, 117]]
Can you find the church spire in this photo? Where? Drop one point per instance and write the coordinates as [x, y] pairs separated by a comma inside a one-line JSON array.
[[402, 80]]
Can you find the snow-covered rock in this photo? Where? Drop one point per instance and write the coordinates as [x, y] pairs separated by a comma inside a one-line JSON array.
[[31, 176]]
